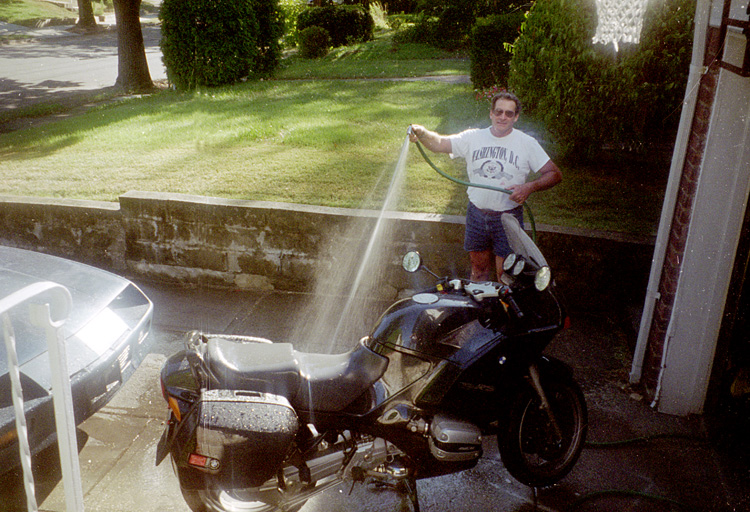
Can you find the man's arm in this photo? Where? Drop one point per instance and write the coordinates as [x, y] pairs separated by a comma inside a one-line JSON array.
[[431, 140], [549, 176]]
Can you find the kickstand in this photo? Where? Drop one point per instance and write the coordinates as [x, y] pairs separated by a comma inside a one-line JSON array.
[[410, 486], [535, 497]]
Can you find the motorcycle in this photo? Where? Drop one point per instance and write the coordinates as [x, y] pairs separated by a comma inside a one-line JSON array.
[[256, 425]]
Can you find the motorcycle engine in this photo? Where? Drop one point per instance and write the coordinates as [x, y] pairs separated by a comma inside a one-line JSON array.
[[454, 440]]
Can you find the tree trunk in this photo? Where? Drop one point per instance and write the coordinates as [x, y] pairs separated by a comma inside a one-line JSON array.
[[86, 20], [132, 67]]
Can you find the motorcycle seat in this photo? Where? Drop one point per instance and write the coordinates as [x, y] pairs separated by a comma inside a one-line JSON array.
[[320, 382], [262, 367], [331, 382]]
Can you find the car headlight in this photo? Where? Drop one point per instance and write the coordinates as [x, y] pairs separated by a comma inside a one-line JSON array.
[[543, 278]]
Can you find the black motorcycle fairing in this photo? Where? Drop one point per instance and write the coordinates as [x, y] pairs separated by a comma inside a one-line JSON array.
[[434, 330], [320, 382]]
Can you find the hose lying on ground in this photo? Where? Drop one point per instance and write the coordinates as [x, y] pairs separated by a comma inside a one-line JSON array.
[[625, 493]]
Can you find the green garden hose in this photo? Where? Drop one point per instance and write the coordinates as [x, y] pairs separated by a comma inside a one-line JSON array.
[[478, 185]]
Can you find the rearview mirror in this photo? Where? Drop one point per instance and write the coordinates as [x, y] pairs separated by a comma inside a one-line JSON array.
[[412, 261]]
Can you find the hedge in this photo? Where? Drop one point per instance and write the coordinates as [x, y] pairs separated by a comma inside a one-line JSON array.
[[345, 24], [218, 42]]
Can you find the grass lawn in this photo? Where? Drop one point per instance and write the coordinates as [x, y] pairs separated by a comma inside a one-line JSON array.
[[315, 141], [24, 12]]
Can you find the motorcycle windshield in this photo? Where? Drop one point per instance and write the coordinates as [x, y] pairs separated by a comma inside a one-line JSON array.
[[520, 242]]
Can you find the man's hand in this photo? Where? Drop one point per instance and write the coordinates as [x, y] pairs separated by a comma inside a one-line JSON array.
[[549, 176], [520, 192], [415, 131], [431, 140]]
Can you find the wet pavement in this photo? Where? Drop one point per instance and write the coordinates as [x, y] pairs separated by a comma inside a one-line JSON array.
[[687, 469]]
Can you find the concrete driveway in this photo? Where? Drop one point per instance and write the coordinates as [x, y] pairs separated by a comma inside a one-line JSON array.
[[118, 444]]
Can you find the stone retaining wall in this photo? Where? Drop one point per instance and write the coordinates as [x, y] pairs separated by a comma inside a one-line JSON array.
[[249, 244]]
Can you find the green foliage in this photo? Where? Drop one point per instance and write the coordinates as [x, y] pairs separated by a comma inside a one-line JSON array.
[[379, 15], [454, 23], [291, 10], [490, 61], [590, 97], [415, 29], [402, 6], [314, 42], [345, 24], [379, 58], [270, 31], [217, 42], [445, 24]]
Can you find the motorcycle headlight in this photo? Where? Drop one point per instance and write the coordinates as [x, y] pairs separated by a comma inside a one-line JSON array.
[[543, 278], [518, 267], [509, 261]]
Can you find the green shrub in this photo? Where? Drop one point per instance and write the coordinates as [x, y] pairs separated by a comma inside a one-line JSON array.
[[345, 24], [590, 97], [403, 6], [291, 10], [490, 61], [423, 29], [270, 31], [454, 24], [445, 24], [314, 42], [217, 42]]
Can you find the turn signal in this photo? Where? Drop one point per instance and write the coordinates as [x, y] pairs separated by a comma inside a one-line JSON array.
[[175, 408]]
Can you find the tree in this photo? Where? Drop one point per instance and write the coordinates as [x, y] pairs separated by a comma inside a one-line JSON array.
[[86, 20], [132, 68]]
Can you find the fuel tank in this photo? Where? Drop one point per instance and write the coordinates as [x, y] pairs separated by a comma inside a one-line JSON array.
[[433, 326]]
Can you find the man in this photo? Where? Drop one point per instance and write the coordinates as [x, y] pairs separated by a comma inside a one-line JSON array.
[[500, 156]]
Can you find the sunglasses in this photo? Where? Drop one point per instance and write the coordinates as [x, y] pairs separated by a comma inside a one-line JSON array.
[[508, 113]]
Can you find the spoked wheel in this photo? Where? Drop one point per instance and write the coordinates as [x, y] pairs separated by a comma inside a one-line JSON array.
[[538, 449], [213, 500]]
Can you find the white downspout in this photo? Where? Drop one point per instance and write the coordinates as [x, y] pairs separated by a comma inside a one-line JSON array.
[[697, 70]]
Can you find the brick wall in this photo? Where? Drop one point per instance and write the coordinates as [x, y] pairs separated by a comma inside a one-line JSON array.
[[681, 220]]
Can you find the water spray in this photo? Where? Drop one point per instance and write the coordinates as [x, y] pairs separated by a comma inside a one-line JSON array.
[[444, 174]]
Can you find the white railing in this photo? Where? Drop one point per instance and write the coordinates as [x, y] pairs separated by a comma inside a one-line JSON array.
[[49, 315]]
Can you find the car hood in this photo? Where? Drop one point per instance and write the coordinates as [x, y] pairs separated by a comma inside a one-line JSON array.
[[91, 289]]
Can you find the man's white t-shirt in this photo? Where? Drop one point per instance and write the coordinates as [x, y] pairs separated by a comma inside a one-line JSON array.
[[498, 162]]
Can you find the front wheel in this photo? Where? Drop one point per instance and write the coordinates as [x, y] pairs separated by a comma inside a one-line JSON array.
[[534, 450]]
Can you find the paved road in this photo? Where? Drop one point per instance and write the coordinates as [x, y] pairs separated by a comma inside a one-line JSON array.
[[57, 63]]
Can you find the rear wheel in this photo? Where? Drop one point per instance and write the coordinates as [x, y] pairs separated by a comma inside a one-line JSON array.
[[533, 450], [213, 500]]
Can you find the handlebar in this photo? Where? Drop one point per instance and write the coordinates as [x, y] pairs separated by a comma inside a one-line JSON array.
[[482, 291]]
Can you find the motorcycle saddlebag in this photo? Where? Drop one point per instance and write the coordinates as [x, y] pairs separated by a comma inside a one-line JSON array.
[[242, 437]]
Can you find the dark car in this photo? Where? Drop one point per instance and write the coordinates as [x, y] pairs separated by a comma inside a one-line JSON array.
[[106, 339]]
